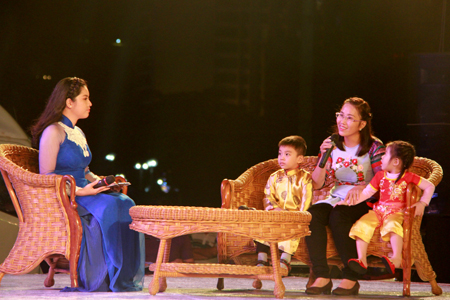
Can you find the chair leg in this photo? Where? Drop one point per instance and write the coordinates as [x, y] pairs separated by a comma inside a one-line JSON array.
[[421, 260], [220, 284], [435, 288], [50, 281], [73, 265]]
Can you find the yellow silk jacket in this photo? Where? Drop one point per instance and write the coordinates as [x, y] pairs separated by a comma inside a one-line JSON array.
[[291, 191]]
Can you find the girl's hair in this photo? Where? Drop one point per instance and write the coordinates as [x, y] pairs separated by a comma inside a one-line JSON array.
[[366, 133], [405, 152], [69, 87]]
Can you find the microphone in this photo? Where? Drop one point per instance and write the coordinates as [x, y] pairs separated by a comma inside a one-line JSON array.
[[323, 160], [105, 181]]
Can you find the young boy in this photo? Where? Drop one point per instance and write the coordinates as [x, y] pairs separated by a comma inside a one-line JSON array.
[[290, 189]]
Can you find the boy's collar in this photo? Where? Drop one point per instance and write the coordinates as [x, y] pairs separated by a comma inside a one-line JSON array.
[[292, 171]]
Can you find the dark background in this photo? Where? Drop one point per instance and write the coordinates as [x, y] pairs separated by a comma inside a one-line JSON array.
[[160, 92], [209, 87]]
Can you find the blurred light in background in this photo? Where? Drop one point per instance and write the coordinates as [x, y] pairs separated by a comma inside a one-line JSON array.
[[110, 157], [137, 166], [152, 163]]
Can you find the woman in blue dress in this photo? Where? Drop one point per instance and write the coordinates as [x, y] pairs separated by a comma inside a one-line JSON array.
[[112, 255]]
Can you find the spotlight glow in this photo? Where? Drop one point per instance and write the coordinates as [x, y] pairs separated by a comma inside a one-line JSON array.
[[152, 163]]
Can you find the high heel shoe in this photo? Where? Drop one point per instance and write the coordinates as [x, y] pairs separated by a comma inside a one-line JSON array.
[[346, 292], [315, 290]]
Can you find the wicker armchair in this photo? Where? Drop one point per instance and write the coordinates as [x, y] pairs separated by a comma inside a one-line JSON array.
[[248, 189], [49, 224]]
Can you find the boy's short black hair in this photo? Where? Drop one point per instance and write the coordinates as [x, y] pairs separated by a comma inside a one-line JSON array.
[[295, 141]]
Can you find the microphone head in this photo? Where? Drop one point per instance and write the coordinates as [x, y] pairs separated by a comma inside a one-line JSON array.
[[334, 138], [110, 179]]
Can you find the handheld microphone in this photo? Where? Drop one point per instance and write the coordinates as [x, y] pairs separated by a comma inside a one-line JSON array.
[[323, 160], [105, 181]]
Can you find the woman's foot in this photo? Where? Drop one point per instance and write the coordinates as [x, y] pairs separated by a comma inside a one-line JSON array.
[[347, 287], [357, 265], [320, 286]]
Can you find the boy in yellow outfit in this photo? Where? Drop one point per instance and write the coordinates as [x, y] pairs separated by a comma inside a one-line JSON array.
[[290, 189]]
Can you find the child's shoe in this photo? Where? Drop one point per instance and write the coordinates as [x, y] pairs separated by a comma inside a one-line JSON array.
[[285, 265], [357, 266], [262, 263], [388, 264]]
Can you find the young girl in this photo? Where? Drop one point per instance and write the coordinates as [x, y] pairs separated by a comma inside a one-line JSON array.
[[388, 212]]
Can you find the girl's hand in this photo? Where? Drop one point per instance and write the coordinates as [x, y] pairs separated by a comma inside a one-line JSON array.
[[353, 195], [342, 202], [89, 189], [420, 208]]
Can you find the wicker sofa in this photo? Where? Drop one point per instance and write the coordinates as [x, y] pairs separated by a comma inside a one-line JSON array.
[[248, 189]]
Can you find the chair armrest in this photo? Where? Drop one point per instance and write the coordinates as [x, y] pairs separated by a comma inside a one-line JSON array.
[[225, 192]]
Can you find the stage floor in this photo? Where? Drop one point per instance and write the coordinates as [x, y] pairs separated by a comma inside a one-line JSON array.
[[31, 286]]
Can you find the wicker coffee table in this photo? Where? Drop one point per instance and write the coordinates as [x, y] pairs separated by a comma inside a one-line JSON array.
[[167, 222]]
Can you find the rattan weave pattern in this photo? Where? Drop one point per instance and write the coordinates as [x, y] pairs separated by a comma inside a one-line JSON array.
[[191, 213], [172, 221], [44, 228], [248, 189], [215, 269]]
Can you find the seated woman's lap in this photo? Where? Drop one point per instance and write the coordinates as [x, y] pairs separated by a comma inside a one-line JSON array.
[[342, 218]]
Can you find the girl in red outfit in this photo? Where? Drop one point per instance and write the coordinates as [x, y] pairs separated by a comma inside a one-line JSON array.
[[388, 212]]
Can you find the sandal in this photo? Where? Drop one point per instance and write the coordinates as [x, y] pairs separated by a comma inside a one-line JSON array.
[[262, 263], [388, 264], [284, 262], [357, 266]]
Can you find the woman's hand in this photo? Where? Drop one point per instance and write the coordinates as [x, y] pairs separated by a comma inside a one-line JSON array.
[[89, 189], [353, 195], [116, 188], [326, 144]]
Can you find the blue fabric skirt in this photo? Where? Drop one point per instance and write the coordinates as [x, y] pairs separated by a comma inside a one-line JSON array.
[[112, 256]]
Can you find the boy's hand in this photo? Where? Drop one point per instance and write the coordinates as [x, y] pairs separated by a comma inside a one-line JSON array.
[[420, 208]]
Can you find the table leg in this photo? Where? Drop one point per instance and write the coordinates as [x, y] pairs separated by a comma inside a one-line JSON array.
[[153, 287], [279, 286]]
